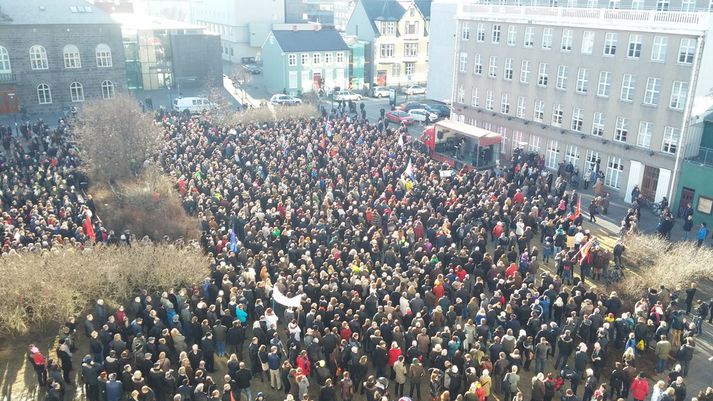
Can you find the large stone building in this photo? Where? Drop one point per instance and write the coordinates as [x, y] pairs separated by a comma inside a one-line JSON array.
[[57, 53], [604, 89]]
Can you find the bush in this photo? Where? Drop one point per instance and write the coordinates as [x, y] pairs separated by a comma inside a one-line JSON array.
[[300, 111], [115, 138], [43, 289], [148, 206]]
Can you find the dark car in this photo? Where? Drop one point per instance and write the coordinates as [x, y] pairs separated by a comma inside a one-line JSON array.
[[413, 105], [443, 110]]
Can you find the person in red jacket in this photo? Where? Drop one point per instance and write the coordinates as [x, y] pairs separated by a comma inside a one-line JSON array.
[[639, 387], [394, 354]]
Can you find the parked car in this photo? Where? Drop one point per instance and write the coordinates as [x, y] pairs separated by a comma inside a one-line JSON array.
[[253, 69], [441, 109], [192, 104], [399, 116], [412, 105], [345, 96], [284, 100], [422, 115], [381, 91], [415, 90]]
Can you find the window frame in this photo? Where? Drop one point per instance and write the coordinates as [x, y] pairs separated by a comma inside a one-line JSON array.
[[76, 92], [46, 96]]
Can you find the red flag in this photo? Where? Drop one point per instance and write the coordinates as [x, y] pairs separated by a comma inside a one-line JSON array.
[[89, 229], [578, 211], [584, 251]]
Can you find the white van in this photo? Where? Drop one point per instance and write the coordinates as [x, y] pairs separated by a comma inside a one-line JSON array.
[[192, 104]]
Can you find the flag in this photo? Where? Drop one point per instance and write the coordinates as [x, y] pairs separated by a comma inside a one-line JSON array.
[[401, 140], [584, 251], [233, 241], [409, 170], [88, 228], [578, 211]]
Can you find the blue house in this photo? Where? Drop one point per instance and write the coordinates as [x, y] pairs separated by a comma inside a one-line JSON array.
[[298, 61]]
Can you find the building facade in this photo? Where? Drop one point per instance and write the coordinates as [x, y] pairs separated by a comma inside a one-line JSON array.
[[243, 25], [398, 33], [606, 90], [442, 47], [54, 55], [305, 60], [342, 11]]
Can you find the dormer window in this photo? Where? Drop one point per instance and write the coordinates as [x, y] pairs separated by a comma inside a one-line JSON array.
[[388, 28]]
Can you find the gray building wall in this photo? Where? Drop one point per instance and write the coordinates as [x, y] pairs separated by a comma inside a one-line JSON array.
[[19, 38], [186, 50], [441, 48]]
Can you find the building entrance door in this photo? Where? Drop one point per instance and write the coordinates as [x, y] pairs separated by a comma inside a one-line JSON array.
[[687, 195], [649, 182], [8, 102]]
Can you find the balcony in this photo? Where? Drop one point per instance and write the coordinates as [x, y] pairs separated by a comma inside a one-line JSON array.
[[704, 157], [590, 17], [8, 78]]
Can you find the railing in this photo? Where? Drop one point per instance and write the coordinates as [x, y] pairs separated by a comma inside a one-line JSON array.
[[7, 77], [601, 16], [705, 156]]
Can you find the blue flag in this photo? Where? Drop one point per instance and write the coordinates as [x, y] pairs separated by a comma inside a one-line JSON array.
[[233, 241]]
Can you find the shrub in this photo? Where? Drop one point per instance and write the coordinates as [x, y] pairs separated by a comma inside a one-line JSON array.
[[300, 111], [43, 289]]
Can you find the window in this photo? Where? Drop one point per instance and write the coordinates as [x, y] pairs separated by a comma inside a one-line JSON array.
[[409, 68], [590, 160], [496, 34], [38, 60], [577, 119], [291, 59], [637, 4], [474, 98], [561, 77], [571, 155], [521, 107], [387, 51], [292, 80], [478, 69], [412, 28], [553, 152], [76, 92], [4, 61], [621, 129], [582, 80], [508, 69], [615, 169], [658, 50], [688, 5], [327, 58], [388, 28], [547, 38], [103, 53], [465, 31], [587, 42], [566, 45], [534, 145], [634, 50], [610, 44], [107, 89], [592, 3], [653, 89], [539, 114], [627, 88], [529, 36], [525, 72], [410, 49], [44, 95], [557, 115], [340, 57], [512, 35], [505, 103], [604, 84], [463, 62], [686, 51], [489, 100], [662, 5], [461, 95], [646, 131], [71, 57], [316, 58], [598, 124], [678, 95], [481, 33], [493, 67], [542, 75], [304, 59], [670, 140]]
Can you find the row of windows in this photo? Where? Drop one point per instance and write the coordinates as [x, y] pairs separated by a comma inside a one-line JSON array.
[[660, 5], [70, 55], [317, 58], [76, 92], [622, 125], [634, 49], [627, 92], [389, 50]]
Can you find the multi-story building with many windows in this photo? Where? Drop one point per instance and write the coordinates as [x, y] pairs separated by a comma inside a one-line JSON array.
[[605, 89]]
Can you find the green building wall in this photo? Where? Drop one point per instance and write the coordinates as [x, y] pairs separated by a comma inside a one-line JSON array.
[[698, 178]]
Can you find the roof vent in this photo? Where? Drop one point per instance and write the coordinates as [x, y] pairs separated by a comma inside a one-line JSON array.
[[42, 8]]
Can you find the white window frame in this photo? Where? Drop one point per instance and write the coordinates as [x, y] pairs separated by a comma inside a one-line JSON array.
[[653, 91], [529, 37], [108, 89], [76, 92], [577, 119], [489, 100], [38, 59], [508, 69], [493, 67], [512, 35], [688, 6], [496, 31], [598, 124], [542, 75], [621, 129], [103, 56], [582, 81], [72, 57], [478, 65], [411, 49], [339, 58], [567, 39], [679, 90], [604, 86], [686, 51], [662, 5], [525, 72], [659, 48], [646, 133], [557, 115], [634, 49], [292, 60], [610, 42], [505, 103], [521, 107], [5, 66], [463, 62], [628, 88], [316, 58], [547, 38], [461, 95], [480, 33], [465, 31], [44, 94], [670, 140], [474, 97], [538, 114], [615, 169], [561, 82], [304, 59], [327, 58], [571, 155], [590, 160], [587, 42], [533, 144], [552, 154]]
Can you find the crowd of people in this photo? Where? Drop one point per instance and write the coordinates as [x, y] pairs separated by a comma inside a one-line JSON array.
[[345, 266]]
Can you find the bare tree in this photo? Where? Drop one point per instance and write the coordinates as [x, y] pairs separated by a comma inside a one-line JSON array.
[[115, 138]]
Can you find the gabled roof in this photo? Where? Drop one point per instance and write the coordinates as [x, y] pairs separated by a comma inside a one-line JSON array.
[[310, 41], [51, 12], [384, 10], [425, 7]]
